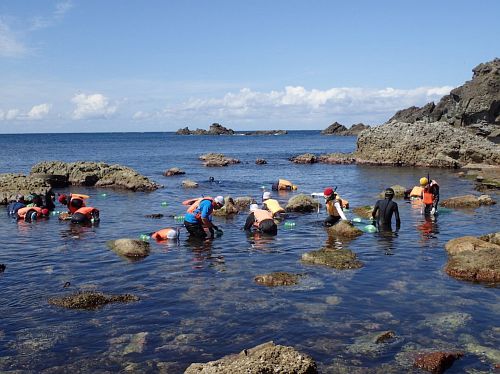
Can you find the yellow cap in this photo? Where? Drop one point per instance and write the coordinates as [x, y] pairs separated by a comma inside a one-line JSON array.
[[423, 181]]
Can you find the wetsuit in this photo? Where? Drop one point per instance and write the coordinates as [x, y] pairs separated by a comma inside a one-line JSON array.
[[386, 208]]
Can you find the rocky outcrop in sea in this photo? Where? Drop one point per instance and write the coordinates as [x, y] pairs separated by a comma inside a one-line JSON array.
[[338, 129], [98, 174], [474, 105], [13, 184], [215, 129]]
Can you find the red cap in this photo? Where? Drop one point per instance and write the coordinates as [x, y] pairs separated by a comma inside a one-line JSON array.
[[328, 191], [62, 199], [45, 212]]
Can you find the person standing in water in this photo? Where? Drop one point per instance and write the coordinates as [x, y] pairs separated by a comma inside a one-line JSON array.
[[384, 210]]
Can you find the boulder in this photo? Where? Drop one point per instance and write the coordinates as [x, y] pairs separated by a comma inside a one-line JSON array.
[[474, 259], [277, 279], [302, 203], [399, 191], [131, 248], [13, 184], [335, 258], [334, 129], [189, 184], [467, 201], [90, 300], [436, 362], [423, 144], [260, 161], [474, 105], [173, 171], [264, 358], [363, 211], [306, 158], [243, 203], [491, 238], [337, 158], [228, 209], [98, 174], [344, 229], [217, 159]]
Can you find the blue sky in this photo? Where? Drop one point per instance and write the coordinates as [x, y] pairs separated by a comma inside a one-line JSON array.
[[91, 65]]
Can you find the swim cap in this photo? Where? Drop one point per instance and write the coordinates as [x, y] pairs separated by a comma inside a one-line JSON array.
[[62, 199], [389, 192], [328, 191], [266, 195], [219, 200], [253, 207], [45, 212], [423, 181], [172, 234]]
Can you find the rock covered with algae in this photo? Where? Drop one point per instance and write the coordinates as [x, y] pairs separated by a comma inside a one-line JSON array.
[[277, 279], [436, 362], [335, 258], [363, 211], [131, 248], [467, 201], [344, 229], [264, 358], [90, 300], [302, 203]]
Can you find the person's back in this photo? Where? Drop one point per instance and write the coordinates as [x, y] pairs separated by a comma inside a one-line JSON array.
[[384, 210]]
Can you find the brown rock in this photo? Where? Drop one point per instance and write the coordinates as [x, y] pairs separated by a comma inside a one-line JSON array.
[[341, 259], [228, 209], [467, 201], [262, 359], [90, 300], [260, 161], [13, 184], [302, 203], [345, 230], [173, 171], [187, 183], [132, 248], [363, 211], [217, 159], [277, 279], [436, 362], [306, 158]]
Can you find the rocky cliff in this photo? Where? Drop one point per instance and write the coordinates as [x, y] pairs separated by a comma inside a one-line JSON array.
[[338, 129], [474, 105]]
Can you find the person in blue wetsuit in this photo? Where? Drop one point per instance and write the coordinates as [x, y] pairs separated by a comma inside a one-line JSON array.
[[199, 216], [383, 211], [13, 207]]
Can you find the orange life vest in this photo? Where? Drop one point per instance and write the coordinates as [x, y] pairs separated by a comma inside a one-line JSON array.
[[87, 211], [416, 191], [74, 197], [427, 197], [21, 213], [195, 204], [261, 215], [163, 234]]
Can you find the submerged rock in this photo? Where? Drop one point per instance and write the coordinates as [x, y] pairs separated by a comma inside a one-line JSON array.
[[264, 358], [335, 258], [260, 161], [90, 300], [302, 203], [467, 201], [129, 247], [242, 203], [306, 158], [436, 362], [217, 159], [372, 344], [363, 211], [13, 184], [128, 343], [174, 171], [154, 215], [98, 174], [277, 279], [344, 229]]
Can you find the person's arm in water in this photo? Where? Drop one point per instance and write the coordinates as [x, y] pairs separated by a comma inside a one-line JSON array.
[[339, 210], [396, 215], [249, 222], [375, 210]]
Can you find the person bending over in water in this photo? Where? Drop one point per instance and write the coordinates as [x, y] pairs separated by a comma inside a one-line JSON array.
[[383, 211], [261, 220], [199, 214]]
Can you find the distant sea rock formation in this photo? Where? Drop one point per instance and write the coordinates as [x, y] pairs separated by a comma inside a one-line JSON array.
[[215, 129], [98, 174], [474, 105], [266, 132], [338, 129]]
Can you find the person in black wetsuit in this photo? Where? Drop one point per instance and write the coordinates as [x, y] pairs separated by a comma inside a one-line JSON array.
[[385, 209]]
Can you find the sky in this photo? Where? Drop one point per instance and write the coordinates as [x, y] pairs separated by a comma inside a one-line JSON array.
[[135, 65]]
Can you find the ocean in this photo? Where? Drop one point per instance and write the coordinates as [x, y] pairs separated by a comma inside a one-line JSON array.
[[200, 302]]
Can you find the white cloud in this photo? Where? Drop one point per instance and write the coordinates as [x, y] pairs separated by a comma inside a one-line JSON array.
[[42, 22], [9, 45], [296, 103], [39, 111], [92, 106]]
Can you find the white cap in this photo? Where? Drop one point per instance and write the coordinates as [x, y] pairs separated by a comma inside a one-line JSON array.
[[266, 195], [172, 234], [219, 200], [253, 207]]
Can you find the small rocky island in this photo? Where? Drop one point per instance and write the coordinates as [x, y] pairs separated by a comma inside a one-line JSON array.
[[340, 130], [218, 129]]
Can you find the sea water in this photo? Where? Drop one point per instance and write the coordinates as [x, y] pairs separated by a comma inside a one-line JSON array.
[[199, 302]]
